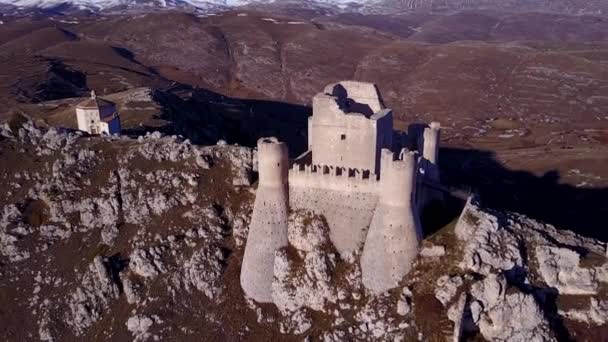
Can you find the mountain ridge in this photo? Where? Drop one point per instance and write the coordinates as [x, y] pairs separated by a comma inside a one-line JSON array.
[[573, 7]]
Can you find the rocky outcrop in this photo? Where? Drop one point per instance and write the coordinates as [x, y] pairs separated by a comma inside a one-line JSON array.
[[303, 271], [203, 271], [147, 263], [597, 314], [490, 246], [92, 297], [559, 268], [80, 265]]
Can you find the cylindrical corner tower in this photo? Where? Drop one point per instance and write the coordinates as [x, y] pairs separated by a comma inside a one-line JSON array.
[[397, 187], [273, 163], [268, 229], [428, 164], [430, 151], [394, 235]]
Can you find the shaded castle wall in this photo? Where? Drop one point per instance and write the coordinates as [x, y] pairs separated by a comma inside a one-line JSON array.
[[268, 228]]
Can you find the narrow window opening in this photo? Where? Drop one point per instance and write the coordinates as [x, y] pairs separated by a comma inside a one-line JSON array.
[[342, 136]]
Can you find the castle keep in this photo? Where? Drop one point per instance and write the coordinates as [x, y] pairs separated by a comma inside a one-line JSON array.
[[369, 195]]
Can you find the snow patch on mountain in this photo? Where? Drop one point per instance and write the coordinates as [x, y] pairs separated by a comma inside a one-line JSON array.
[[195, 4]]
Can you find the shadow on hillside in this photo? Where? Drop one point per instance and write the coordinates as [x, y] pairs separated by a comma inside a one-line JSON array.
[[205, 117], [582, 210]]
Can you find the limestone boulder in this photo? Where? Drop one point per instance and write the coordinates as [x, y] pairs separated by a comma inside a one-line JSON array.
[[516, 318], [560, 268]]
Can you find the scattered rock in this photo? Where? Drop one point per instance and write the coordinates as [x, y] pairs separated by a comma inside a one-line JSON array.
[[147, 263], [404, 304], [433, 251], [447, 287], [139, 325]]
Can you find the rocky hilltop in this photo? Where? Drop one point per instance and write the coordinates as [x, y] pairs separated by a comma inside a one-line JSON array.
[[118, 238]]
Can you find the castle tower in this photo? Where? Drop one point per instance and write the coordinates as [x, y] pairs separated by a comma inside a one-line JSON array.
[[430, 151], [429, 165], [394, 234], [349, 126], [268, 229]]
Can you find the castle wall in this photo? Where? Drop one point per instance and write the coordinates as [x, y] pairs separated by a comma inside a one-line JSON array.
[[346, 198], [268, 228], [348, 214], [330, 178], [344, 141]]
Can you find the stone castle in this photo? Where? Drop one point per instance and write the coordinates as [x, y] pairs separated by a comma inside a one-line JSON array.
[[370, 196]]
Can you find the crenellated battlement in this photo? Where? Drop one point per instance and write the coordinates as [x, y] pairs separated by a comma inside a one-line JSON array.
[[334, 178]]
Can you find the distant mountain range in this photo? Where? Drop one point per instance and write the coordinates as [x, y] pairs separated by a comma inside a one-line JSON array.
[[576, 7], [194, 5], [598, 7]]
